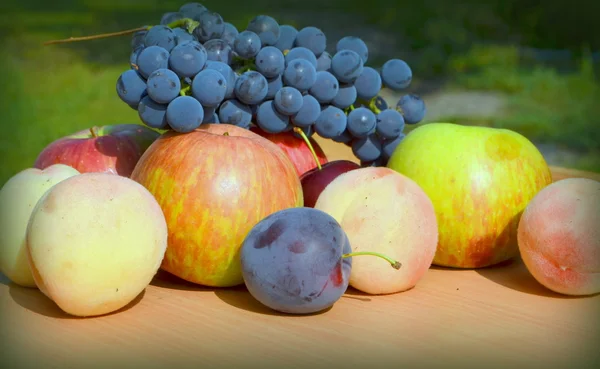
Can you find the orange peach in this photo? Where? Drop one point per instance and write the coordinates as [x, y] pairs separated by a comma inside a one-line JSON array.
[[383, 211], [559, 236]]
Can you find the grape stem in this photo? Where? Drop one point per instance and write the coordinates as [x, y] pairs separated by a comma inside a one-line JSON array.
[[310, 147], [93, 131], [184, 90], [394, 263]]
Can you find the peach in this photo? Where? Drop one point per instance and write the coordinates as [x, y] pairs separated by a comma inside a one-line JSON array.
[[94, 242], [385, 212], [559, 236]]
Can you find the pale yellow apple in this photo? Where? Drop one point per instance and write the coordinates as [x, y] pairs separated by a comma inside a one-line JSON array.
[[18, 197], [94, 242], [385, 212]]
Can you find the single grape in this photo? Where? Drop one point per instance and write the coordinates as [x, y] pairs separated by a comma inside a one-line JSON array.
[[162, 36], [152, 114], [182, 35], [163, 86], [361, 122], [313, 39], [188, 58], [171, 17], [288, 101], [273, 85], [229, 33], [209, 87], [251, 87], [266, 28], [218, 50], [235, 112], [211, 26], [134, 55], [151, 59], [325, 88], [131, 87], [368, 84], [345, 97], [247, 44], [308, 132], [380, 103], [287, 37], [389, 146], [412, 108], [227, 72], [390, 124], [396, 74], [331, 122], [301, 74], [292, 261], [346, 66], [210, 114], [324, 62], [379, 162], [137, 39], [192, 10], [308, 113], [367, 148], [270, 120], [300, 52], [184, 114], [355, 44], [345, 137], [270, 62]]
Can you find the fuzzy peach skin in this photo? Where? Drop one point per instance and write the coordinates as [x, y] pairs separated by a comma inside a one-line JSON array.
[[94, 242], [559, 236], [383, 211]]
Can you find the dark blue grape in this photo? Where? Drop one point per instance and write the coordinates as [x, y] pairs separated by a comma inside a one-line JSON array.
[[345, 137], [287, 37], [300, 74], [380, 103], [171, 17], [367, 148], [153, 114], [325, 88], [210, 115], [288, 100], [379, 162], [188, 58], [345, 97], [131, 87], [211, 26], [355, 44], [192, 10], [273, 85], [137, 40], [247, 44], [163, 85], [162, 36], [182, 35], [270, 62], [300, 52], [390, 124], [308, 113], [218, 50], [251, 88], [412, 108], [324, 62], [236, 113], [313, 39], [389, 146], [209, 87], [331, 122], [184, 114], [396, 74], [368, 84], [266, 28], [361, 122], [229, 33], [292, 261], [346, 66], [133, 57], [151, 59], [227, 72], [270, 120]]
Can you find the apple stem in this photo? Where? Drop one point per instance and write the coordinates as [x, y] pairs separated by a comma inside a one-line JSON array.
[[395, 264], [93, 131], [310, 147], [226, 134]]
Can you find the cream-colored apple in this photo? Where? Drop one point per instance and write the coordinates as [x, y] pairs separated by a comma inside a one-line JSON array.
[[18, 197], [94, 242], [385, 212]]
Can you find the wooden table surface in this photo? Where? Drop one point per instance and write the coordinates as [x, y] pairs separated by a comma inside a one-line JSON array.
[[498, 317]]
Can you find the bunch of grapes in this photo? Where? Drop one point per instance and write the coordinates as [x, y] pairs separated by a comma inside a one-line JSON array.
[[195, 68]]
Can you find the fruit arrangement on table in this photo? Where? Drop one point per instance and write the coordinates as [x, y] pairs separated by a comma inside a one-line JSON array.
[[223, 184]]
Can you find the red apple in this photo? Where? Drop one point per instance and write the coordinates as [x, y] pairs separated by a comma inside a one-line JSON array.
[[296, 149], [315, 180], [112, 148], [214, 185]]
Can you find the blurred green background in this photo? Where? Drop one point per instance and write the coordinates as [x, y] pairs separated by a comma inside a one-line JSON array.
[[525, 65]]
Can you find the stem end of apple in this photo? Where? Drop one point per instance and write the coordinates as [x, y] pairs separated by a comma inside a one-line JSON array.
[[310, 147]]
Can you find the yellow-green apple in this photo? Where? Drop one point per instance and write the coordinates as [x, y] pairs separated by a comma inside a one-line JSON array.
[[559, 237], [94, 242], [385, 212], [296, 149], [18, 197], [479, 179], [315, 180], [111, 148], [214, 184]]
